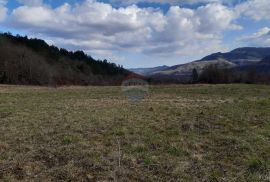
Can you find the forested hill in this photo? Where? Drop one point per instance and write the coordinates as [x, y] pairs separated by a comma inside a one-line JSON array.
[[34, 62]]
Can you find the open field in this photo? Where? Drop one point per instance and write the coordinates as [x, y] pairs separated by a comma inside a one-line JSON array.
[[177, 133]]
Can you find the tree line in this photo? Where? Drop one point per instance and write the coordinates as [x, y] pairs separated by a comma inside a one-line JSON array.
[[258, 73], [214, 75], [34, 62]]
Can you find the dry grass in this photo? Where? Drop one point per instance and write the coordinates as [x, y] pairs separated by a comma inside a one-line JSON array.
[[177, 133]]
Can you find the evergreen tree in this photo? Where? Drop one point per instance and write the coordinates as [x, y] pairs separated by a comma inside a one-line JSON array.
[[195, 75]]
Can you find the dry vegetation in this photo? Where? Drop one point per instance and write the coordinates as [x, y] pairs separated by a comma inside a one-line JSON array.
[[178, 133]]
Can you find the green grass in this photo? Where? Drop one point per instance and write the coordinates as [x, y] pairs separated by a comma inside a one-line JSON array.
[[177, 133]]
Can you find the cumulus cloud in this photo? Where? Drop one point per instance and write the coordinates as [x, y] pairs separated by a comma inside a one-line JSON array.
[[3, 2], [260, 38], [98, 27], [172, 2], [188, 31], [178, 2], [215, 18], [3, 10], [3, 13], [256, 9]]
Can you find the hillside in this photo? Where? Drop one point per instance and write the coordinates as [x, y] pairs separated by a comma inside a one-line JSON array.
[[265, 60], [186, 69], [34, 62], [148, 71], [241, 56], [239, 61]]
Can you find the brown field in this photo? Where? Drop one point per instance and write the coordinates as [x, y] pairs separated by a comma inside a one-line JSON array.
[[177, 133]]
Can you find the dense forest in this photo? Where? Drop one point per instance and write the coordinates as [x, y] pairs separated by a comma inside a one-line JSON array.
[[34, 62]]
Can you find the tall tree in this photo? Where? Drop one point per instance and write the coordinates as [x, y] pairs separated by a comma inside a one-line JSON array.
[[195, 75]]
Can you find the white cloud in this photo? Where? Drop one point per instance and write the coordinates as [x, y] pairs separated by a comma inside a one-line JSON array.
[[172, 2], [260, 38], [215, 18], [3, 10], [3, 2], [256, 9], [177, 2], [3, 13], [188, 31], [99, 28]]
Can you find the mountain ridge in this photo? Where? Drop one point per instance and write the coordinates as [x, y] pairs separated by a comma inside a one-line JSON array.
[[148, 71], [240, 61]]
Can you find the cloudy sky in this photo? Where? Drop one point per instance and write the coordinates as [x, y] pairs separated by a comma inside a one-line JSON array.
[[141, 33]]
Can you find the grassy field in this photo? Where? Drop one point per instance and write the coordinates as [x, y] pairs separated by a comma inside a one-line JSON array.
[[177, 133]]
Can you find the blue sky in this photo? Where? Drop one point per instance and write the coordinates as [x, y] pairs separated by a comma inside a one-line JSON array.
[[141, 33]]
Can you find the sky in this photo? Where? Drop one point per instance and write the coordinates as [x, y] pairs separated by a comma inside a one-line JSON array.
[[141, 33]]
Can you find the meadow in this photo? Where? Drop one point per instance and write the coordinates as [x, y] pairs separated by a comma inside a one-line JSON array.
[[176, 133]]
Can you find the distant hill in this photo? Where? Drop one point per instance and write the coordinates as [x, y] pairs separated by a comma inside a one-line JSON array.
[[186, 69], [265, 60], [241, 56], [148, 71], [239, 60], [183, 73], [33, 61], [262, 66]]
